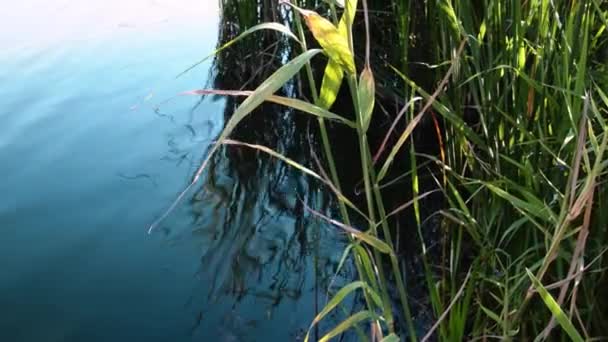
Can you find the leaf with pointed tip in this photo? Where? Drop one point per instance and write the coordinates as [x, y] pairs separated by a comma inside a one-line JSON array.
[[346, 22], [264, 26], [285, 101], [347, 324], [339, 298], [261, 94], [555, 309], [367, 94]]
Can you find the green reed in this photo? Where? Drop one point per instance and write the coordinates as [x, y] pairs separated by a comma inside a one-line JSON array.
[[519, 105]]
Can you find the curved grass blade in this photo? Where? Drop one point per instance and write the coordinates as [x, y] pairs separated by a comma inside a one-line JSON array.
[[555, 309], [300, 167], [285, 101], [339, 298], [534, 208], [265, 90], [347, 324], [264, 26], [345, 255], [371, 240]]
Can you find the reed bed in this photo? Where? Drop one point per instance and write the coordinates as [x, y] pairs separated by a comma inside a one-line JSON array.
[[518, 106]]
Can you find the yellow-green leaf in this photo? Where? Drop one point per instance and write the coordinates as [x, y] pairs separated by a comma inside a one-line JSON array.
[[333, 43], [346, 22], [367, 94], [332, 80]]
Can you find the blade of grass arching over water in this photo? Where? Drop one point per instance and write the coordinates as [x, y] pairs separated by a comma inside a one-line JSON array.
[[264, 26], [299, 167], [265, 90], [285, 101], [347, 324], [339, 298], [371, 240]]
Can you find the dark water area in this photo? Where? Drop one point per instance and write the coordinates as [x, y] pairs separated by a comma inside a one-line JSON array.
[[94, 146]]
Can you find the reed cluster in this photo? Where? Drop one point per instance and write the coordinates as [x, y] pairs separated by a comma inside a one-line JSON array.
[[519, 107]]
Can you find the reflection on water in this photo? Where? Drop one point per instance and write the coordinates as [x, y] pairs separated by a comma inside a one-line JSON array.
[[94, 145]]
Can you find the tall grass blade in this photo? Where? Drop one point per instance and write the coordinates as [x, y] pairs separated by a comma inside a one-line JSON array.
[[555, 309]]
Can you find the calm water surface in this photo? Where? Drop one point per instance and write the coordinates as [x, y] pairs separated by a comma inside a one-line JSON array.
[[94, 145]]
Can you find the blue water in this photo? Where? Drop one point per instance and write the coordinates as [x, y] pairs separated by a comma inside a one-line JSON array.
[[94, 145]]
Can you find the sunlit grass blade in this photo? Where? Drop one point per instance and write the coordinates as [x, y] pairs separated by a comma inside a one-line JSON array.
[[555, 309], [346, 22], [339, 298], [332, 80], [370, 239], [299, 167], [285, 101]]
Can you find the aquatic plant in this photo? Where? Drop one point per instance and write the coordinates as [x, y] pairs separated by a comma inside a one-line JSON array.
[[517, 102]]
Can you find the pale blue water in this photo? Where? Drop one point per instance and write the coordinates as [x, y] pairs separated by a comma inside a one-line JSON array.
[[87, 163]]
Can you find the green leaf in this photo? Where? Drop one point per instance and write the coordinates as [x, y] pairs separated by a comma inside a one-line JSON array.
[[266, 89], [347, 324], [533, 208], [298, 166], [367, 95], [367, 267], [391, 338], [491, 314], [337, 299], [285, 101], [332, 80], [257, 97], [555, 309], [265, 26]]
